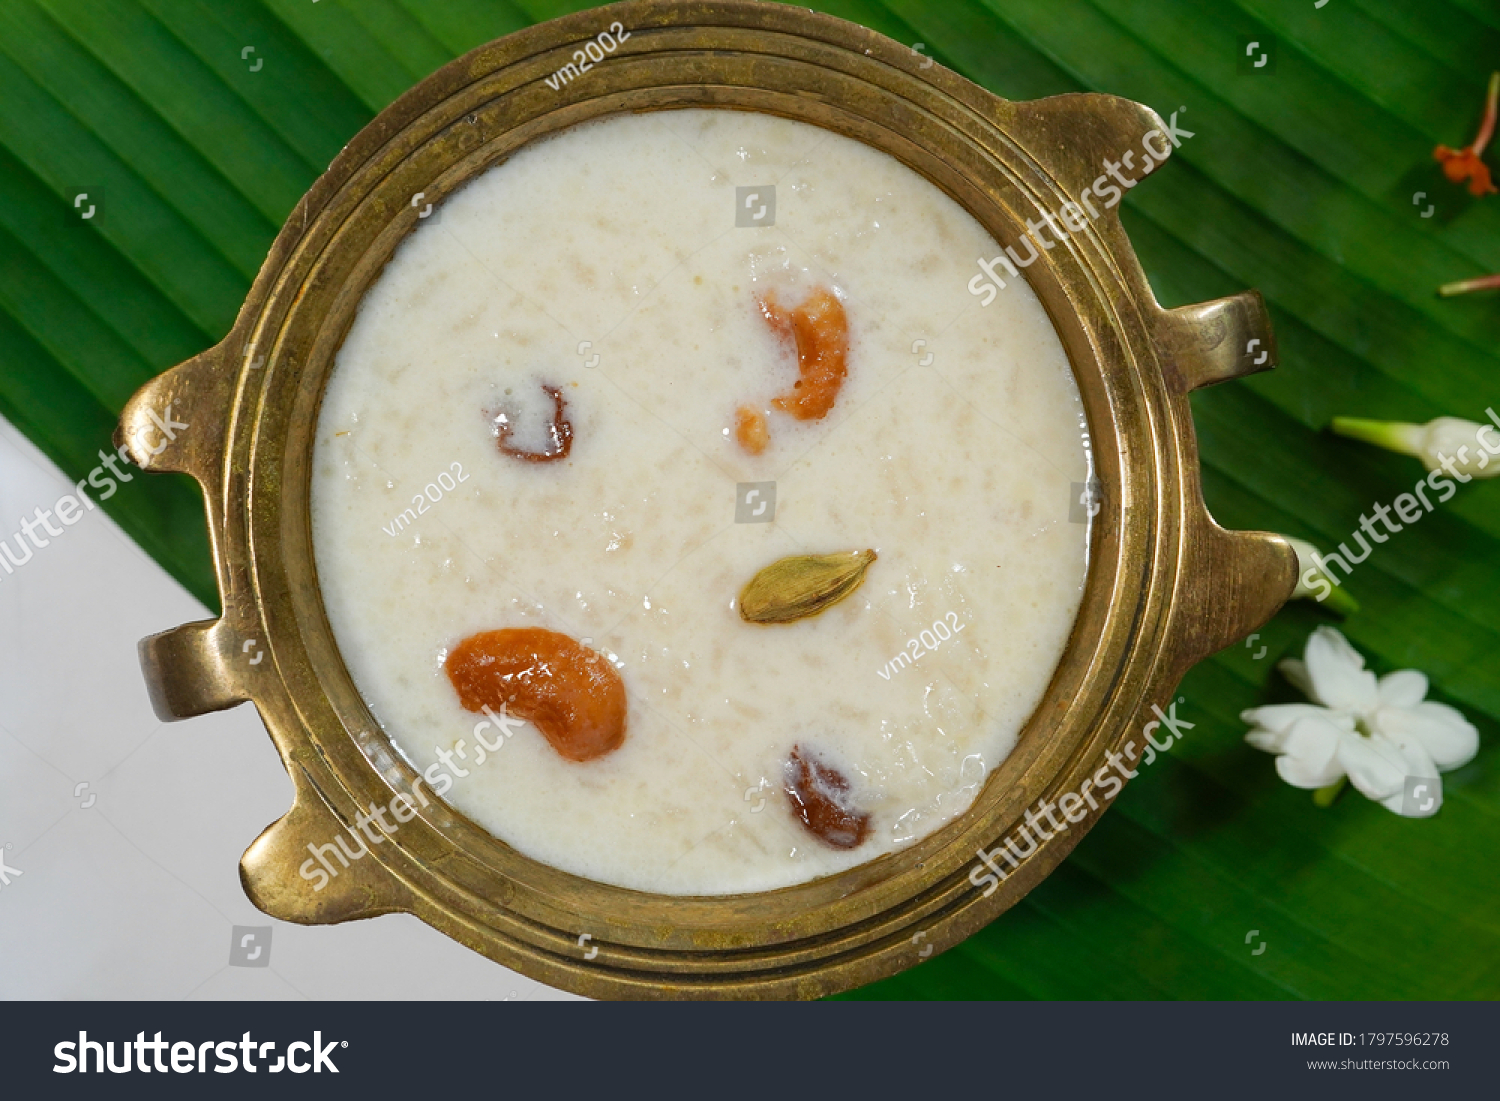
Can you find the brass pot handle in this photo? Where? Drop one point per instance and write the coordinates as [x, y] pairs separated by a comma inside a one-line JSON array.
[[204, 666], [214, 664], [1216, 341], [190, 670], [301, 868], [1234, 580], [1228, 582], [199, 392]]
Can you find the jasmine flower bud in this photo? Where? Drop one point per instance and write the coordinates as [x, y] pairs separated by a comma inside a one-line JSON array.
[[1316, 583], [1462, 449]]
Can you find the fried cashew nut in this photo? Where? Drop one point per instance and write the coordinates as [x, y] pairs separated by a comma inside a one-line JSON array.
[[569, 692]]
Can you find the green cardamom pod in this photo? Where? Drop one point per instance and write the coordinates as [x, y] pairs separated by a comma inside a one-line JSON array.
[[802, 585]]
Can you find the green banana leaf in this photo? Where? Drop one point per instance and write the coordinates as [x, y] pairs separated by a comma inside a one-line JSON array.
[[194, 125]]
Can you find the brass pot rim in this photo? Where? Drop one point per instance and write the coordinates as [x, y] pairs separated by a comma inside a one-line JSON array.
[[1166, 585]]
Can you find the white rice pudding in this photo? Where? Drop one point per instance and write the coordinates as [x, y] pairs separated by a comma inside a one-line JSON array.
[[606, 262]]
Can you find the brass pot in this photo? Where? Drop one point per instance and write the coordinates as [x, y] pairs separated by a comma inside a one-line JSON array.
[[1166, 585]]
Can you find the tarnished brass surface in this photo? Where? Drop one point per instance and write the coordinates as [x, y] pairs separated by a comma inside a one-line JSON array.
[[1166, 587]]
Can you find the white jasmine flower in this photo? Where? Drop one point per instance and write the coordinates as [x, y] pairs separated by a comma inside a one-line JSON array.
[[1377, 733], [1462, 449], [1305, 740]]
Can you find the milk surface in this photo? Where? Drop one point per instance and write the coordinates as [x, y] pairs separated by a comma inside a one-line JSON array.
[[607, 262]]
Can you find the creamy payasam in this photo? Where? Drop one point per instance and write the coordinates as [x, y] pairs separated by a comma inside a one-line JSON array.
[[682, 517]]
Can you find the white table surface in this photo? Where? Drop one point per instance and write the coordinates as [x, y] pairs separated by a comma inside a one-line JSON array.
[[130, 887]]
